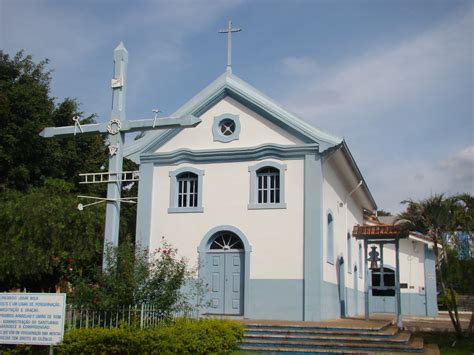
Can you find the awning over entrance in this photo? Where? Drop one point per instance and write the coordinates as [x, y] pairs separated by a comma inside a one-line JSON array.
[[380, 235], [377, 232]]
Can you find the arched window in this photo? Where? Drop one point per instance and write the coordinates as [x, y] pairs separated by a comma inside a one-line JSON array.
[[330, 239], [388, 276], [227, 241], [349, 253], [186, 190], [267, 185], [268, 189]]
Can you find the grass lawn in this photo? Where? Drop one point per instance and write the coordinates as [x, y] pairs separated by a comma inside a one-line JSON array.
[[446, 340]]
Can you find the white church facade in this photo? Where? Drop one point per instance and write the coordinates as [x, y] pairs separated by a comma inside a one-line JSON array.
[[264, 205]]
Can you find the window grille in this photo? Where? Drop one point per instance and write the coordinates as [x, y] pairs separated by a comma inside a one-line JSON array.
[[268, 185], [387, 288], [187, 190], [227, 241]]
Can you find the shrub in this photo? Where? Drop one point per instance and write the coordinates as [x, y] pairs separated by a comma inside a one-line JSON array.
[[133, 276], [441, 302], [183, 337]]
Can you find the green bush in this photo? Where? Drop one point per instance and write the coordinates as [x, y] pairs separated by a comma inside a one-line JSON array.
[[183, 337], [441, 302]]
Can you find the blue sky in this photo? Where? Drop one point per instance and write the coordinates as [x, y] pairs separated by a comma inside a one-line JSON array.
[[394, 78]]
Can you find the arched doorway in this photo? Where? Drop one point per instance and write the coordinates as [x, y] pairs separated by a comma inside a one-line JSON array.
[[223, 273]]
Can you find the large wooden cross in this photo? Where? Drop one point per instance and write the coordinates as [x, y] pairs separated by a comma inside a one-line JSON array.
[[115, 129]]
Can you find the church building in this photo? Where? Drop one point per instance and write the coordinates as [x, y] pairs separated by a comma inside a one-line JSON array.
[[264, 205]]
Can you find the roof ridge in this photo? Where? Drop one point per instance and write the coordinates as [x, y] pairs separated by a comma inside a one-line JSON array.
[[228, 80]]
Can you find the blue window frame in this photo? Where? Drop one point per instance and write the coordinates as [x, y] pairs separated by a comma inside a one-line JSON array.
[[186, 190], [267, 185], [330, 239]]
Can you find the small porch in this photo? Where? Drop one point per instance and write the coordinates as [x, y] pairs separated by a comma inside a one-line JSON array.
[[383, 280]]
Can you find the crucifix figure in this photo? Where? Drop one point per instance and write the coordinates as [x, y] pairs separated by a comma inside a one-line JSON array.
[[115, 129], [229, 31]]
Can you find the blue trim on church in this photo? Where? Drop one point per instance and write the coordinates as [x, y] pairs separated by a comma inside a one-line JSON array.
[[313, 238]]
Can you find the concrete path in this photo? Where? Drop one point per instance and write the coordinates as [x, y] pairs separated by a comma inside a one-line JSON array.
[[440, 323]]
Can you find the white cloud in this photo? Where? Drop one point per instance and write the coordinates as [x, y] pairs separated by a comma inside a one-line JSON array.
[[300, 66], [392, 181], [381, 78], [366, 97], [460, 168]]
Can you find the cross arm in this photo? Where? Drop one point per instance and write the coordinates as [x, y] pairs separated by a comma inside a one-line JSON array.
[[126, 126], [162, 122], [68, 130]]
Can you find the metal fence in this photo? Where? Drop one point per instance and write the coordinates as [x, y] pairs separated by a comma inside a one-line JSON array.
[[139, 316]]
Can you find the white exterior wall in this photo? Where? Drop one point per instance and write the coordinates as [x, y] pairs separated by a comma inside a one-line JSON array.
[[275, 235], [255, 130], [412, 259], [334, 193]]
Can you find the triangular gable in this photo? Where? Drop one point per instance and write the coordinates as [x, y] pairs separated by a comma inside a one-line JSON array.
[[230, 85]]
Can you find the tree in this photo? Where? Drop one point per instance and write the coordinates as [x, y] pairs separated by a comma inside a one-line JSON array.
[[440, 218], [383, 213], [43, 233], [43, 236], [25, 109]]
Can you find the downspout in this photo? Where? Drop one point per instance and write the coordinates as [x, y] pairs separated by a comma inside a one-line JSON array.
[[347, 197]]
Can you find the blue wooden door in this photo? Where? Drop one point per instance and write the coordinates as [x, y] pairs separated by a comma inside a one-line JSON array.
[[233, 283], [225, 282], [216, 265]]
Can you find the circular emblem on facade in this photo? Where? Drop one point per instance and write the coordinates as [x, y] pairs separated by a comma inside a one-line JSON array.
[[114, 125]]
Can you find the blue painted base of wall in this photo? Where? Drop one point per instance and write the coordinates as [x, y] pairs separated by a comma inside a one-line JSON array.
[[413, 304], [275, 299], [330, 300]]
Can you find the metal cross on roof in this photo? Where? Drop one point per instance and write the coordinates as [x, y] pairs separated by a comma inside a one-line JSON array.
[[115, 129], [229, 31]]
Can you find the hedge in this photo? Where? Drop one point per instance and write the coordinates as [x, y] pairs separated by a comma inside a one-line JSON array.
[[441, 303], [183, 337]]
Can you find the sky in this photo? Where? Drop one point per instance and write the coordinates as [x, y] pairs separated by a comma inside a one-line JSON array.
[[395, 79]]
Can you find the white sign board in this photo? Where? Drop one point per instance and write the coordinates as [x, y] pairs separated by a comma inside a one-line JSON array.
[[32, 318]]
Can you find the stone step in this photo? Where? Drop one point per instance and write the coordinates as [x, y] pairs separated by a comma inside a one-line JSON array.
[[399, 338], [303, 331], [414, 346], [354, 325]]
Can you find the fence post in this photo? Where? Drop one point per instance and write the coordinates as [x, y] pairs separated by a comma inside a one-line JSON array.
[[87, 317], [142, 315]]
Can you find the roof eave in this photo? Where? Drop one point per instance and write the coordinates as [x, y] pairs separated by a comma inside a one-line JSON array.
[[228, 84], [347, 153]]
